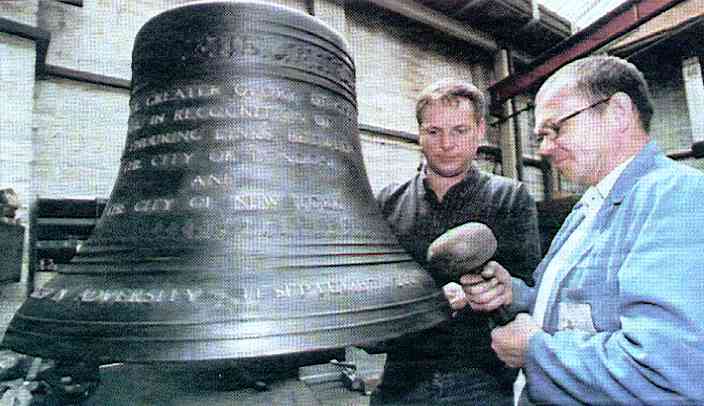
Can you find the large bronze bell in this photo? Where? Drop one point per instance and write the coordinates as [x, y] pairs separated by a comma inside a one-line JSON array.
[[242, 224]]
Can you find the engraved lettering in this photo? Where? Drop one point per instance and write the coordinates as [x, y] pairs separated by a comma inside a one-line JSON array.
[[330, 287], [174, 137], [200, 202], [252, 293], [229, 156], [41, 293], [212, 181], [317, 140], [237, 134], [183, 114], [264, 92], [183, 93], [128, 295], [254, 202], [303, 158], [281, 293], [157, 119], [407, 282], [322, 121], [88, 295], [194, 294], [333, 103], [115, 209], [317, 202], [154, 205], [133, 165], [230, 47], [267, 113], [256, 112], [60, 295], [171, 159]]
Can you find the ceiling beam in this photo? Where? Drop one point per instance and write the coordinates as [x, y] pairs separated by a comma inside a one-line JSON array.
[[441, 22], [621, 20]]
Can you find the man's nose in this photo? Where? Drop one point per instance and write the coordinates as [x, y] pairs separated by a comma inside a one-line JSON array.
[[546, 147], [446, 141]]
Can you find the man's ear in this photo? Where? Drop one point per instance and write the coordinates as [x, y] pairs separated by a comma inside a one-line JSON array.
[[623, 110]]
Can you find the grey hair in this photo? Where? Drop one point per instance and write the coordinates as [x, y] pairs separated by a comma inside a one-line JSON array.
[[601, 76]]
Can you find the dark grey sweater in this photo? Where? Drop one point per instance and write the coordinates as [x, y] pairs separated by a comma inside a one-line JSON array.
[[417, 218]]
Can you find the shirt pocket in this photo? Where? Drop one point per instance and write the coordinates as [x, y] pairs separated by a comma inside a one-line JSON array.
[[590, 307]]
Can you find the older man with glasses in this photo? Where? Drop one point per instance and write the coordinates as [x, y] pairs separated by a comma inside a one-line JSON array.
[[617, 316]]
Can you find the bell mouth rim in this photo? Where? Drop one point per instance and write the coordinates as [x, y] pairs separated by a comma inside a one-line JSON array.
[[100, 350]]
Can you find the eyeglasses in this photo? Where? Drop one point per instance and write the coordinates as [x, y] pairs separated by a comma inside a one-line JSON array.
[[552, 130]]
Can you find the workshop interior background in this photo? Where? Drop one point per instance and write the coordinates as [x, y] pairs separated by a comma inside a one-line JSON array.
[[65, 75]]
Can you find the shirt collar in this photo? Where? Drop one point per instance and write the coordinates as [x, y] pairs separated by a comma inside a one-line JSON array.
[[465, 186], [594, 197], [604, 187]]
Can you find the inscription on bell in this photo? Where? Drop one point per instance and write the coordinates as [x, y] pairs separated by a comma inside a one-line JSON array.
[[252, 90], [250, 202], [334, 103], [47, 293], [125, 295], [230, 46], [318, 202], [193, 295], [172, 159], [330, 287], [173, 137], [139, 295], [200, 202], [183, 93], [216, 181], [161, 161], [264, 91], [304, 158], [131, 165], [239, 111], [154, 205], [322, 121], [115, 209], [263, 133], [327, 141]]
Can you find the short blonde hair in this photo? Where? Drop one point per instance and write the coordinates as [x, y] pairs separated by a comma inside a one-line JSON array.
[[451, 91]]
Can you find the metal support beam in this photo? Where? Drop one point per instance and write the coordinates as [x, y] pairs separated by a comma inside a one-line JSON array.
[[535, 16], [77, 3], [511, 166], [623, 19], [439, 21], [470, 5]]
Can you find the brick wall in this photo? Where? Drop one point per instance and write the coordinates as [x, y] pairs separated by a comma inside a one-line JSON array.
[[79, 128]]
